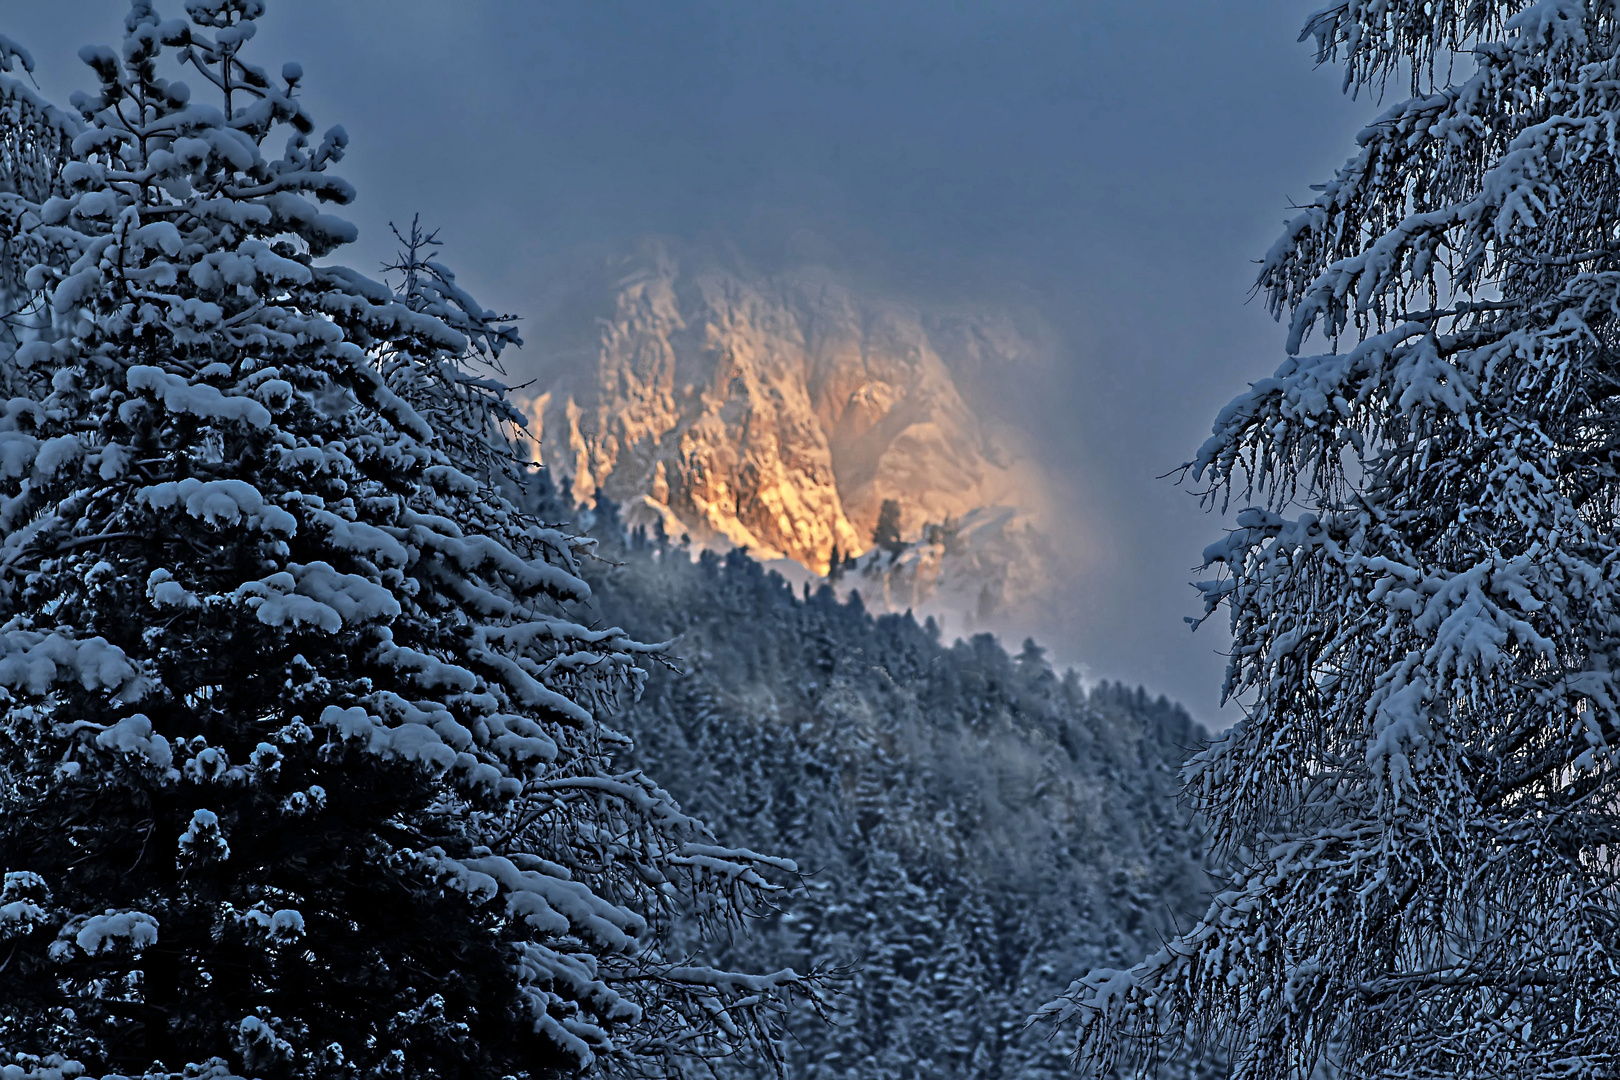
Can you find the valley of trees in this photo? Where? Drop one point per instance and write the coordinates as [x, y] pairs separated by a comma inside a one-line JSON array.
[[975, 828]]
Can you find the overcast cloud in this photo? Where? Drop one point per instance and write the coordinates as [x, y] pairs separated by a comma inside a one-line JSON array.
[[1119, 165]]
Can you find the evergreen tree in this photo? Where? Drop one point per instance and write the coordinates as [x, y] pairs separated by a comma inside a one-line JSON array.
[[1425, 590], [35, 140], [303, 767], [886, 533]]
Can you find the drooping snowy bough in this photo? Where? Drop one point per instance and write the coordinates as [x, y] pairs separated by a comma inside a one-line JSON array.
[[303, 768], [1424, 588]]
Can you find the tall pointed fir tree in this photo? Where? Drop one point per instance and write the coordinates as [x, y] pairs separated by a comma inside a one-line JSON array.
[[303, 767], [1421, 803]]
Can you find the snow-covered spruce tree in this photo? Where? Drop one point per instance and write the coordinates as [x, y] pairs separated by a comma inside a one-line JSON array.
[[302, 764], [34, 145], [1422, 801]]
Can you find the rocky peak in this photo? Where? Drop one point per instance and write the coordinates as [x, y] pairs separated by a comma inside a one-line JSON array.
[[773, 411]]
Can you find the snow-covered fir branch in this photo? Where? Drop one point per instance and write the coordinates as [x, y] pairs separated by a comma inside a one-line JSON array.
[[1421, 801]]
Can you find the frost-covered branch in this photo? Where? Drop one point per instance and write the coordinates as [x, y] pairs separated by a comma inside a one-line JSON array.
[[1421, 800]]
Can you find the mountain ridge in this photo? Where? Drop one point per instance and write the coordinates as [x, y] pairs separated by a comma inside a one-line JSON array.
[[776, 411]]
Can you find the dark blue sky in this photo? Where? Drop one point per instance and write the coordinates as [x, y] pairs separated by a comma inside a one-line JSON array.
[[1120, 165]]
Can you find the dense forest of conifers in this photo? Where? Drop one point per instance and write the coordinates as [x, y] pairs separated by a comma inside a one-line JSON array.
[[974, 828]]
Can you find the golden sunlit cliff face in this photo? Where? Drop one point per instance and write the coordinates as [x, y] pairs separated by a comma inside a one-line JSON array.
[[773, 412]]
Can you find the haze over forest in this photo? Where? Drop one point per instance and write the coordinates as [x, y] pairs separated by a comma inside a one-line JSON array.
[[1113, 171]]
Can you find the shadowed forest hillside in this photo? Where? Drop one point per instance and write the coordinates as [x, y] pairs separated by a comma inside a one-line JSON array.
[[976, 828]]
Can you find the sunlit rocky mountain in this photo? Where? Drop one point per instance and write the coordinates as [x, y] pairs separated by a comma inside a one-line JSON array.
[[779, 410]]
